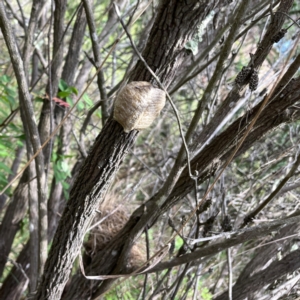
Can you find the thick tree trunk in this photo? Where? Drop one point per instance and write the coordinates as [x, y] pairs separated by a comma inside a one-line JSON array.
[[175, 24], [91, 184], [104, 261]]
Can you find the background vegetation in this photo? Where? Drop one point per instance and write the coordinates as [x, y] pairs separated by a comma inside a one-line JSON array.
[[229, 229]]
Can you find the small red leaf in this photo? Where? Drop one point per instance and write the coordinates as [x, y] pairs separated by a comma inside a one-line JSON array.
[[58, 101]]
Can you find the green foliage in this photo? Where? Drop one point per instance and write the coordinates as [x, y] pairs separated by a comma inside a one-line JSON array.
[[88, 101], [8, 93], [66, 93], [123, 292], [14, 136], [178, 242], [4, 171], [62, 171], [205, 294]]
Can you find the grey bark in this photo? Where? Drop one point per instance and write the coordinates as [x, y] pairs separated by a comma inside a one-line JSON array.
[[102, 163], [288, 264]]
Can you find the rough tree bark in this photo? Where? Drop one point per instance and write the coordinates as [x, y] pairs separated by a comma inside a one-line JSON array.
[[164, 52], [31, 131], [103, 262], [176, 22], [206, 164], [287, 264], [16, 211]]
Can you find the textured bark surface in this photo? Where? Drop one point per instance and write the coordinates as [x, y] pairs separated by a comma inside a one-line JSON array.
[[91, 184], [215, 107], [263, 255], [232, 239], [12, 219], [288, 264], [175, 23], [258, 58], [104, 260], [16, 282]]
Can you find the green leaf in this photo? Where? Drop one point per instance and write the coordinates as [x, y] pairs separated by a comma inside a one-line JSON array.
[[11, 100], [88, 100], [4, 153], [3, 180], [80, 106], [205, 294], [62, 85], [64, 94], [4, 79], [74, 90], [65, 186], [5, 168], [21, 137], [14, 127], [99, 114], [11, 92], [68, 156], [3, 112], [57, 174], [38, 99], [65, 168]]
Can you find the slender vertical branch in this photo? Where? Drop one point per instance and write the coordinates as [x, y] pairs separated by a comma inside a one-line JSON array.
[[96, 51], [229, 263], [180, 160], [25, 99]]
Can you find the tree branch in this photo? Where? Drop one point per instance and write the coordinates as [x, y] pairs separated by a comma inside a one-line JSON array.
[[230, 239]]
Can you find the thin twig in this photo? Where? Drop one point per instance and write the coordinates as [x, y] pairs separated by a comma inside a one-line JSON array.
[[148, 256], [19, 267], [22, 15], [61, 123], [179, 281], [278, 11], [38, 151], [96, 52], [231, 239], [162, 87], [229, 262], [159, 284], [60, 44], [247, 131], [197, 282], [50, 92], [250, 216]]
